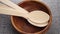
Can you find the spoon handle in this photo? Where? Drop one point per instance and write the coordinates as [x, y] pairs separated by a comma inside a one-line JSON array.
[[16, 7], [8, 11]]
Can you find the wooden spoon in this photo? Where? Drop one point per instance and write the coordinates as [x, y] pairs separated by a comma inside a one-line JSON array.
[[31, 17], [14, 13]]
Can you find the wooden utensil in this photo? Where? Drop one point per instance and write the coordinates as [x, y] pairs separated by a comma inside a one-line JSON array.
[[9, 11], [29, 16]]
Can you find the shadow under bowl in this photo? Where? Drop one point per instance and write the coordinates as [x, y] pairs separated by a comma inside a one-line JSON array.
[[23, 26]]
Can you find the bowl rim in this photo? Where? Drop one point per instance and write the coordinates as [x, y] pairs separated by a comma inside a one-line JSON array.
[[44, 30]]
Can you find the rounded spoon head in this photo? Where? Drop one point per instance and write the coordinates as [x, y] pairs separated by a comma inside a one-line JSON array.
[[38, 24], [38, 16]]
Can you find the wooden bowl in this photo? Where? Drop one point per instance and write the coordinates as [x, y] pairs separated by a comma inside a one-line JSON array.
[[23, 26]]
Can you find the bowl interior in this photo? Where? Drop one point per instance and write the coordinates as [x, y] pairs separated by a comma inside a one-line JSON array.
[[22, 24]]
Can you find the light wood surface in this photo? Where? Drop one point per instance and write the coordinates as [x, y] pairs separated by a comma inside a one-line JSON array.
[[9, 11], [16, 7]]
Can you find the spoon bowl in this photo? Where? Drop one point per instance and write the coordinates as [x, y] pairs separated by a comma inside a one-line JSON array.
[[23, 26]]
